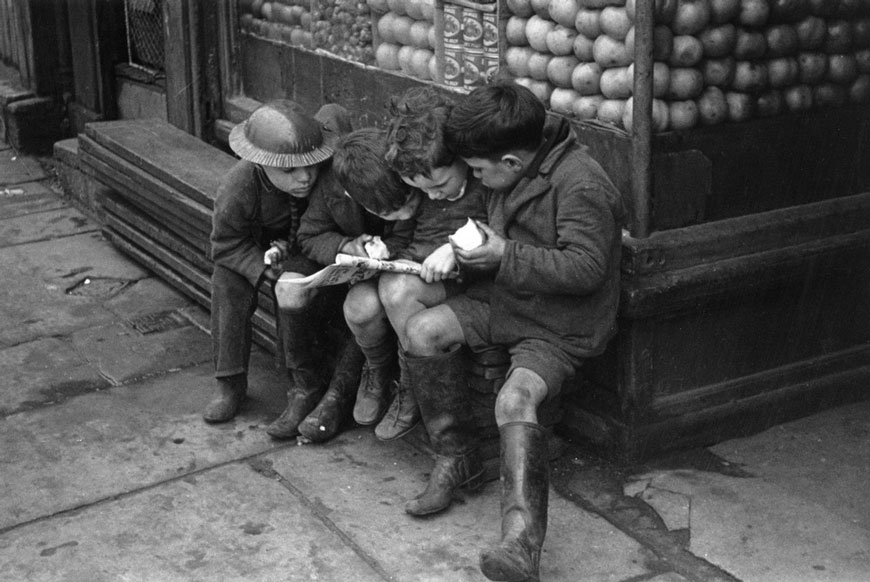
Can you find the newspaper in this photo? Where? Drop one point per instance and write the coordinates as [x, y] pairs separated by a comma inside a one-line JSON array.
[[346, 269]]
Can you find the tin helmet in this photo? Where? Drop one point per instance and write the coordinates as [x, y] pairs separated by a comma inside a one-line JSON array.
[[280, 134]]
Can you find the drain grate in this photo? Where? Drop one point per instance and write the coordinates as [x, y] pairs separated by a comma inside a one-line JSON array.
[[158, 322], [97, 286]]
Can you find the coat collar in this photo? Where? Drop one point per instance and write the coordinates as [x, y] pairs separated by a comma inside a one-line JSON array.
[[558, 138]]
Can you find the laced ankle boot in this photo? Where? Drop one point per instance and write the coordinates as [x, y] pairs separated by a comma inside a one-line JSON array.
[[524, 496], [442, 394], [374, 387], [302, 397], [403, 414], [333, 409], [230, 393]]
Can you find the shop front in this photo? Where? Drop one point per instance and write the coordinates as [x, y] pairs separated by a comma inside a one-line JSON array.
[[738, 132]]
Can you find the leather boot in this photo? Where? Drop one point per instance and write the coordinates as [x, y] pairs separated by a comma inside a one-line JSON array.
[[442, 394], [374, 387], [302, 397], [403, 414], [525, 490], [230, 393], [332, 410]]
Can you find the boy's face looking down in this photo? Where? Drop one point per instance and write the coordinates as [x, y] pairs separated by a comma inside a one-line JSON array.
[[404, 212], [443, 182], [296, 182], [499, 174]]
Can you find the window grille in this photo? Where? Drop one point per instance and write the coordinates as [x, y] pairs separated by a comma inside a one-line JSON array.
[[145, 42]]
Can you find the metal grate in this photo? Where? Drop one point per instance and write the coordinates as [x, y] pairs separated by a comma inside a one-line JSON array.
[[145, 41]]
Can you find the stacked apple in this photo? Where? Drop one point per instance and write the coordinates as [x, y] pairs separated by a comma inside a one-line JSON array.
[[405, 36], [341, 27], [714, 60]]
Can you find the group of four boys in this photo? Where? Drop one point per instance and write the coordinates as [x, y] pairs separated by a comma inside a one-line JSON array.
[[543, 284]]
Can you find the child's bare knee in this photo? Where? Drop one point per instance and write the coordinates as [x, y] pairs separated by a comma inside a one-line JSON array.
[[362, 307]]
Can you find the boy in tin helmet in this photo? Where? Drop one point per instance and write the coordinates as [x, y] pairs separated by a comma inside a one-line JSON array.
[[285, 159]]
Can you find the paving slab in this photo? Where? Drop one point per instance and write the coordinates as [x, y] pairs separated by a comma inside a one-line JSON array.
[[227, 524], [756, 531], [15, 169], [124, 354], [361, 484], [28, 198], [118, 440], [823, 458], [42, 372], [46, 225], [34, 299], [147, 296]]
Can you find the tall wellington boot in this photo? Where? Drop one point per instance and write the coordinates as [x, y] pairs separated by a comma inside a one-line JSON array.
[[302, 397], [403, 414], [525, 489], [334, 408], [442, 394], [229, 395]]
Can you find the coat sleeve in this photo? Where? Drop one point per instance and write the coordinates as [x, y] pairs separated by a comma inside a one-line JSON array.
[[232, 243], [577, 261], [320, 237], [398, 236]]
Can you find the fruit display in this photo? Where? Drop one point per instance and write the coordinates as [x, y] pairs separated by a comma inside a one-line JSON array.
[[715, 61], [405, 39], [340, 27]]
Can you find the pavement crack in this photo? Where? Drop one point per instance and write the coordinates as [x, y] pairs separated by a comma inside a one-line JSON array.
[[597, 487], [265, 468]]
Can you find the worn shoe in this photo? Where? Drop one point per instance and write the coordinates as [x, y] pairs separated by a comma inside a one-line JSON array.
[[402, 416], [301, 400], [448, 475], [371, 397], [228, 400], [334, 408]]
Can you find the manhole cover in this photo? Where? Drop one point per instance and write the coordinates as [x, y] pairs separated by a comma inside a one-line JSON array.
[[97, 286], [158, 322]]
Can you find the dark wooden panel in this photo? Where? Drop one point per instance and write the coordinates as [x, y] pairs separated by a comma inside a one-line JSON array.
[[186, 163]]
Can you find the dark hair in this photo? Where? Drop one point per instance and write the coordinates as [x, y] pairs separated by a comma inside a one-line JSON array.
[[495, 119], [415, 135], [363, 172]]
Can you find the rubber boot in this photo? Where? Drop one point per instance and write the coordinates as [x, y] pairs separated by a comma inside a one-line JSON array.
[[334, 408], [403, 414], [228, 400], [302, 397], [525, 490], [374, 387], [442, 394]]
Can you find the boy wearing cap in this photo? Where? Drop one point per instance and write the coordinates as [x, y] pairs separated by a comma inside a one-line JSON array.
[[552, 252], [259, 204]]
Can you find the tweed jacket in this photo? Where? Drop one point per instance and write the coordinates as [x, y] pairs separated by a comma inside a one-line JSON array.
[[333, 218], [558, 279]]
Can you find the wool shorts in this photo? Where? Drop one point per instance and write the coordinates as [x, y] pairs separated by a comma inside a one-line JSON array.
[[552, 363]]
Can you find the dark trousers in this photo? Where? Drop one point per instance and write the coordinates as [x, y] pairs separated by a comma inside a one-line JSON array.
[[233, 303]]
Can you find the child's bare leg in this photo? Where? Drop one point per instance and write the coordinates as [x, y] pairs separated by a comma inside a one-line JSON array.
[[402, 296], [524, 479], [406, 295], [368, 322]]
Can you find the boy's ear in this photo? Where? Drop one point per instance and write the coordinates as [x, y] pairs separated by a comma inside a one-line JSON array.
[[513, 162]]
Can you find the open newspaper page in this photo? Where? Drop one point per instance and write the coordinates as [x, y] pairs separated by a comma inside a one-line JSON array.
[[348, 269]]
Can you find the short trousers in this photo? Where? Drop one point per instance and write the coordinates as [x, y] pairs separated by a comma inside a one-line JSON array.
[[551, 362]]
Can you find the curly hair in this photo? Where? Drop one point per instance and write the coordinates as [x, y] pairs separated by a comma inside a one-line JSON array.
[[415, 134]]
